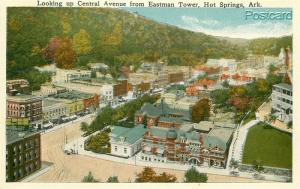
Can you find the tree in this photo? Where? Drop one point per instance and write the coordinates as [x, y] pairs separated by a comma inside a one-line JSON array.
[[262, 86], [82, 42], [89, 178], [147, 175], [65, 56], [238, 91], [257, 166], [93, 74], [239, 102], [192, 175], [290, 125], [51, 48], [113, 179], [99, 143], [234, 163], [84, 126], [201, 110], [165, 177]]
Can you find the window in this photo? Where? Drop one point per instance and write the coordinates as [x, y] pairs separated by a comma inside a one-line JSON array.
[[125, 150], [116, 148]]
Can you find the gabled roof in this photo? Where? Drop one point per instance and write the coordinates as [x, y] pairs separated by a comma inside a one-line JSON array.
[[130, 135]]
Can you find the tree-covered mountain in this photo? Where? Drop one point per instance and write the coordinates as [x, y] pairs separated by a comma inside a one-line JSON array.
[[73, 37]]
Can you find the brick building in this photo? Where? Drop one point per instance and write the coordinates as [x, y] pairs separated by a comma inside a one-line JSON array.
[[176, 77], [25, 106], [121, 88], [17, 86], [23, 153]]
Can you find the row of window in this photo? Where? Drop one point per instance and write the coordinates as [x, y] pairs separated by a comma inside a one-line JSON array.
[[20, 173], [150, 159]]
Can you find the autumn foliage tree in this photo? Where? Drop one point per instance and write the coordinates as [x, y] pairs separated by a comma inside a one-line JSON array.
[[201, 110], [149, 175], [51, 48], [65, 56]]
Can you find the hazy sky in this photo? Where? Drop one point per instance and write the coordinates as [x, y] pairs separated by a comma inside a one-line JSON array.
[[230, 22]]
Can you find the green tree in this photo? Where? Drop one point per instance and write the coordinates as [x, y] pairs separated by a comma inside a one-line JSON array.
[[257, 166], [82, 42], [234, 163], [147, 175], [201, 110], [113, 179], [192, 175], [89, 178], [165, 177], [65, 56], [84, 126]]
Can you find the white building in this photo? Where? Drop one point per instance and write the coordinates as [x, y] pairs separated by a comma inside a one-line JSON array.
[[54, 109], [125, 142], [107, 93], [97, 66], [282, 102]]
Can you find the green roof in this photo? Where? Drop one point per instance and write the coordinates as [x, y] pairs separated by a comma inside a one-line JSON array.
[[218, 137], [131, 135]]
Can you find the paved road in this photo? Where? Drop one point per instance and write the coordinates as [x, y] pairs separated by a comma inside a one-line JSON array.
[[72, 168]]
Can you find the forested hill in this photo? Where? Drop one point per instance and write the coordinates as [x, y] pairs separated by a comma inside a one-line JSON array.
[[73, 37]]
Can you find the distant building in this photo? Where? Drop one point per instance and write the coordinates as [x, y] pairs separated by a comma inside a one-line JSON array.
[[17, 86], [25, 106], [282, 102], [49, 89], [23, 153], [97, 66], [65, 76], [176, 77], [121, 88], [126, 142]]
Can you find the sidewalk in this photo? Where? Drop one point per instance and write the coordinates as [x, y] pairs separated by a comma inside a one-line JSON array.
[[78, 146], [46, 166]]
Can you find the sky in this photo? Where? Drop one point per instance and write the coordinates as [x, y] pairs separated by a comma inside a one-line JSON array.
[[229, 22]]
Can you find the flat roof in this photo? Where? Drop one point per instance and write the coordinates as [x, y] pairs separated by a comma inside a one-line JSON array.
[[73, 95], [23, 98], [284, 86], [49, 102], [14, 134]]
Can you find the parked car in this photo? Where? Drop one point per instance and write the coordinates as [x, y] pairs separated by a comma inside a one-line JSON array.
[[234, 173]]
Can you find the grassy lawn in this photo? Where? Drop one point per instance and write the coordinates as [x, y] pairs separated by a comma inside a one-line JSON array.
[[271, 146]]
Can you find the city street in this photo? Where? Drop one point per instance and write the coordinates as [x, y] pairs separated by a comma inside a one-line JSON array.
[[72, 168]]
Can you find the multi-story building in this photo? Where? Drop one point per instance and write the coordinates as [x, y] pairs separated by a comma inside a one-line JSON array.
[[54, 109], [121, 88], [17, 86], [79, 101], [125, 142], [97, 66], [25, 106], [23, 153], [107, 93], [205, 144], [282, 102], [50, 89], [65, 76]]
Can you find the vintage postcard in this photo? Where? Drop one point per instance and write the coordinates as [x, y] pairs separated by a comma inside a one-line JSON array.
[[149, 92]]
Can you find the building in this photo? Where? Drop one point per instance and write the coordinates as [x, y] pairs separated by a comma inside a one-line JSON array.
[[54, 109], [120, 88], [126, 142], [204, 145], [17, 86], [65, 76], [79, 101], [107, 93], [23, 153], [97, 66], [50, 89], [161, 114], [282, 102], [175, 77], [25, 106]]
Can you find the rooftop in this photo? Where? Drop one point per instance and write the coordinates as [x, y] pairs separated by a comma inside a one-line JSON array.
[[50, 102], [72, 95], [23, 98], [284, 86], [218, 137], [130, 135], [14, 134]]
